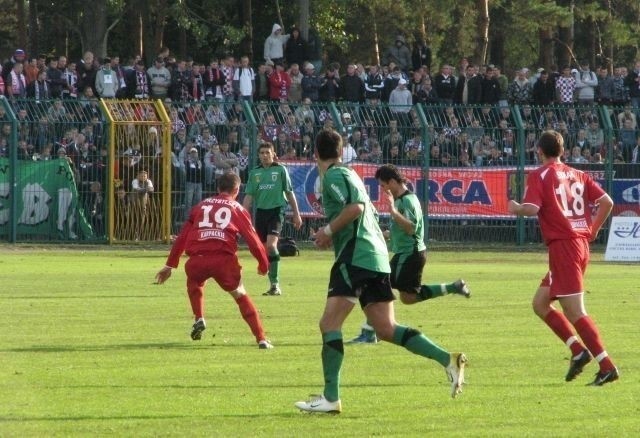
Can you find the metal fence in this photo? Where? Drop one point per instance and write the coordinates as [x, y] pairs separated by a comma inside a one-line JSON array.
[[464, 162]]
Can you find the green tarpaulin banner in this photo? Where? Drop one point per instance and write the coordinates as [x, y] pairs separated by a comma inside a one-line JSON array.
[[47, 200]]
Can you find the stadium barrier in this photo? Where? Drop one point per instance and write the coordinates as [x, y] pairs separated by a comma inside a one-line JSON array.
[[464, 162]]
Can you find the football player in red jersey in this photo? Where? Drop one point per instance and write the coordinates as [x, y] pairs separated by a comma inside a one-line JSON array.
[[209, 238], [561, 197]]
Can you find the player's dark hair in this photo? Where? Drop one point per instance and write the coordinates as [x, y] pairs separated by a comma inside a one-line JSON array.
[[551, 143], [227, 182], [266, 145], [328, 144], [387, 172]]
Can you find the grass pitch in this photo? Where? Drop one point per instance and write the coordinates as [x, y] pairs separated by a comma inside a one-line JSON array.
[[89, 346]]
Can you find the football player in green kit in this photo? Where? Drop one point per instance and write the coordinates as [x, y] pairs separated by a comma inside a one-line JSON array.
[[270, 186], [407, 243], [360, 273]]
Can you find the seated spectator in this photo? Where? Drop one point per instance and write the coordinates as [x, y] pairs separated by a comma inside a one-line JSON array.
[[627, 114], [576, 156]]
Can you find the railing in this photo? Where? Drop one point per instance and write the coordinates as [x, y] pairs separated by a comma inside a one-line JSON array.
[[464, 162]]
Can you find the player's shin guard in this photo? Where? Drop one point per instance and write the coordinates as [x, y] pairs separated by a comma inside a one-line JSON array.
[[419, 344], [250, 315]]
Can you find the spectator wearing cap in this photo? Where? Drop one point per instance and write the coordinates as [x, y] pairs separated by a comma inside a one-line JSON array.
[[274, 44], [520, 90], [400, 102], [310, 83], [296, 48], [18, 56], [352, 86], [107, 83], [159, 79]]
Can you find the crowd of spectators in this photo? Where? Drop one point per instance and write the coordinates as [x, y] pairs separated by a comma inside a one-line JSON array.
[[469, 111]]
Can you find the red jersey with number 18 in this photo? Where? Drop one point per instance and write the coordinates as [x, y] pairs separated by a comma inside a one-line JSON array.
[[213, 227], [565, 197]]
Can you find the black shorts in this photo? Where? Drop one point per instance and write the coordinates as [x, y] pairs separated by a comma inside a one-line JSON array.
[[406, 271], [367, 286], [269, 221]]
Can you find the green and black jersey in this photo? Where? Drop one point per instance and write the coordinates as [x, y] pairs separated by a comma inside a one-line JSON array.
[[360, 243], [268, 186], [408, 205]]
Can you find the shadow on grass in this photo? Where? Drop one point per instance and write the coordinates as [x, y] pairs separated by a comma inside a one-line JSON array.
[[82, 297], [91, 418]]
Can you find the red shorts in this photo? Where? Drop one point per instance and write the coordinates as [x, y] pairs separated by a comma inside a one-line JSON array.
[[223, 268], [568, 261]]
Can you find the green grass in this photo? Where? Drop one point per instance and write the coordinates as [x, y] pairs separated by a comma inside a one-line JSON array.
[[89, 346]]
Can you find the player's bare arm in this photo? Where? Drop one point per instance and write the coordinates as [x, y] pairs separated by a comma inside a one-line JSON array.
[[297, 219], [407, 226], [163, 274], [247, 201], [348, 215], [522, 209], [605, 205]]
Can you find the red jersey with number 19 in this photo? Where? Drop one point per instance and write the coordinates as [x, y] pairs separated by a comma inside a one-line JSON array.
[[213, 227], [565, 197]]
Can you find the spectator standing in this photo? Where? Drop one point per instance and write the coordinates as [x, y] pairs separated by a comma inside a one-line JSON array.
[[55, 79], [18, 56], [421, 55], [212, 250], [39, 89], [70, 90], [194, 172], [86, 71], [398, 53], [491, 91], [503, 81], [606, 87], [180, 80], [330, 86], [274, 45], [295, 91], [400, 102], [565, 87], [520, 91], [296, 48], [445, 84], [16, 83], [567, 227], [107, 83], [352, 86], [279, 84], [228, 71], [632, 82], [586, 83], [373, 85], [310, 84], [159, 79], [544, 90]]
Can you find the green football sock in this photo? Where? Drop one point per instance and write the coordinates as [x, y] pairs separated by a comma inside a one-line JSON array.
[[274, 267], [419, 344], [429, 291], [332, 355]]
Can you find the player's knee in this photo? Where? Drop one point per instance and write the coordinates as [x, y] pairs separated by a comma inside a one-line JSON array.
[[407, 298]]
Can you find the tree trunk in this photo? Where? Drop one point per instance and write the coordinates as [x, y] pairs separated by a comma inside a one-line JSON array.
[[482, 30], [22, 24], [93, 27], [246, 45], [545, 56], [304, 19], [33, 47]]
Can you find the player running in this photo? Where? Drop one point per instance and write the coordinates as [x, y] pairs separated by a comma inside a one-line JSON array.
[[562, 197], [209, 237]]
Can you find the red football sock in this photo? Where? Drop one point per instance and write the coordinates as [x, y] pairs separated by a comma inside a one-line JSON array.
[[250, 315], [591, 337], [196, 297], [562, 328]]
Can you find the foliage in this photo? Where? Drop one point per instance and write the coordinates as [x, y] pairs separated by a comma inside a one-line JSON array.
[[91, 347]]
